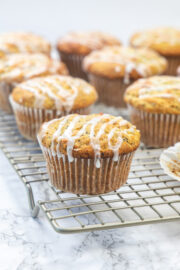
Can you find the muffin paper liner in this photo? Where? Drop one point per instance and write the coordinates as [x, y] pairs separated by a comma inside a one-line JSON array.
[[170, 161], [157, 130], [5, 91], [29, 120], [110, 92], [83, 177], [74, 64], [173, 63]]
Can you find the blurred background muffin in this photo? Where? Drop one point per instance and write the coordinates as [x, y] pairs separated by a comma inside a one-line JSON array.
[[75, 45], [88, 154], [16, 68], [23, 42], [164, 40], [41, 99], [155, 109], [113, 68]]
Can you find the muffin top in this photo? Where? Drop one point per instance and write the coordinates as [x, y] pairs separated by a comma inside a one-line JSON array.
[[20, 67], [158, 94], [89, 136], [84, 42], [55, 92], [117, 62], [19, 42], [165, 40]]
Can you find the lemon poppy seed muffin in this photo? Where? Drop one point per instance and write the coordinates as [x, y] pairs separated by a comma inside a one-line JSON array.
[[22, 42], [164, 40], [113, 68], [16, 68], [88, 154], [41, 99], [155, 109], [75, 45]]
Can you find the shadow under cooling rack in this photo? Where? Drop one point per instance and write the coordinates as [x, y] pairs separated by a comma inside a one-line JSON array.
[[149, 196]]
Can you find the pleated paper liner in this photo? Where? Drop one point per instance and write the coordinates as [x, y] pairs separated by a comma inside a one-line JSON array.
[[83, 177], [110, 92], [29, 119], [157, 130], [74, 64], [173, 63], [5, 90]]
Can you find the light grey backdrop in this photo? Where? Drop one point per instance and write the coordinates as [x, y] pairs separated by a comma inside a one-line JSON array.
[[52, 18]]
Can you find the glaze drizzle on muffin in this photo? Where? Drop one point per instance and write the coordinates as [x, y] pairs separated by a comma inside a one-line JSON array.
[[116, 62], [165, 40], [19, 67], [85, 42], [90, 136], [55, 92], [160, 94], [19, 42]]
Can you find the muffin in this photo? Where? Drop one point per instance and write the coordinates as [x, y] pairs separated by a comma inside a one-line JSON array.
[[74, 46], [113, 68], [42, 99], [16, 68], [89, 154], [155, 109], [19, 42], [164, 40]]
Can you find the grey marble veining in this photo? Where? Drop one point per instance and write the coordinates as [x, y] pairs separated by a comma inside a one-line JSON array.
[[31, 244]]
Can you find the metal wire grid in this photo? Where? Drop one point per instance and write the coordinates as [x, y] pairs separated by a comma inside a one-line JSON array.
[[149, 196]]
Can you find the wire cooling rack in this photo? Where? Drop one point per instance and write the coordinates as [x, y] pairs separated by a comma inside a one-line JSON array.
[[149, 196]]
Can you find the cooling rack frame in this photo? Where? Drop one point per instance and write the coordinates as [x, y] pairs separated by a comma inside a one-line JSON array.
[[150, 196]]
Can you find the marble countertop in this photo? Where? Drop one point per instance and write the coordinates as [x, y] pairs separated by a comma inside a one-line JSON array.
[[31, 244]]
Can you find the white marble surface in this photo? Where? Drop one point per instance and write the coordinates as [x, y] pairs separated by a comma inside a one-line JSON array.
[[31, 244]]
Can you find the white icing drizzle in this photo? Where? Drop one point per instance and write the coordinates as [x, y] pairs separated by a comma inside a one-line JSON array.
[[159, 87], [24, 66], [52, 86], [24, 42], [67, 134], [139, 60], [159, 35], [93, 40]]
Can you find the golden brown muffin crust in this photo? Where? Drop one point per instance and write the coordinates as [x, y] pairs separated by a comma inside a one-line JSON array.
[[124, 62], [84, 42], [20, 67], [165, 40], [19, 42], [158, 94], [55, 92], [90, 136]]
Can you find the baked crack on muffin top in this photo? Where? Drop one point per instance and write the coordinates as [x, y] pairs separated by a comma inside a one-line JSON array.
[[19, 42], [157, 94], [89, 136], [165, 40], [124, 62], [55, 92], [20, 67], [85, 42]]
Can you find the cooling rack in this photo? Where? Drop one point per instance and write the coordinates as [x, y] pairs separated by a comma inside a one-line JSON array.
[[149, 196]]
